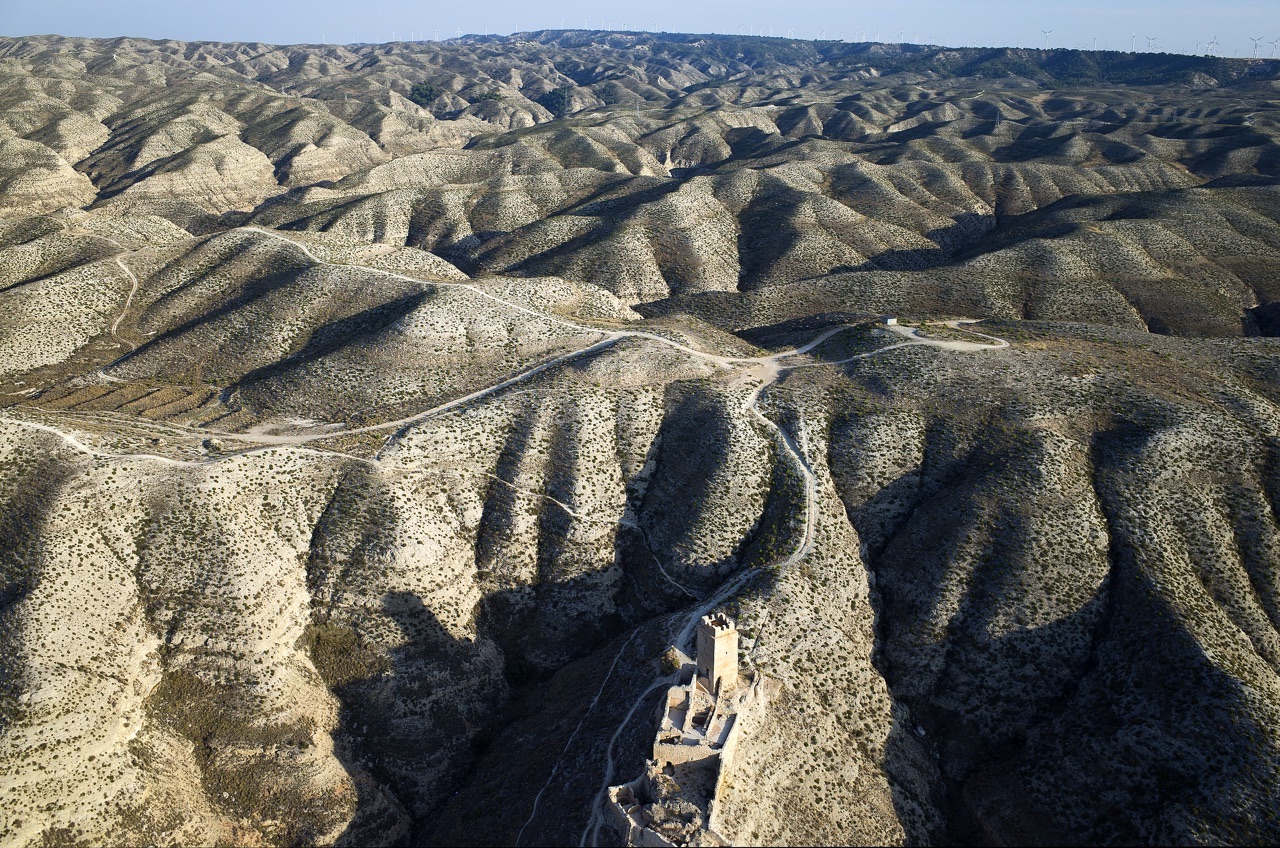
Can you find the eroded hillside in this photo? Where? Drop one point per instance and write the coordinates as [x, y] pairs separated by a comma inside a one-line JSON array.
[[375, 417]]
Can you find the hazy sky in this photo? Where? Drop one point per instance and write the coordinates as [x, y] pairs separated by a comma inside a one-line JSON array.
[[1176, 25]]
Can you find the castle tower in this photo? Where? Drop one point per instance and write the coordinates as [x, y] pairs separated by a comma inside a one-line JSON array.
[[717, 652]]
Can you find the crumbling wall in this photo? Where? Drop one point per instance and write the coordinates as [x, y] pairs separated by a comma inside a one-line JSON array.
[[677, 754]]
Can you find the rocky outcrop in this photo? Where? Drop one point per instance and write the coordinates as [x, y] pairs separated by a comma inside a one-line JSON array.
[[33, 178]]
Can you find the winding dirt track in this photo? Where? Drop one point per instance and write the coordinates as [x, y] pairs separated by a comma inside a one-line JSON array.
[[767, 367], [128, 302], [772, 364], [683, 640]]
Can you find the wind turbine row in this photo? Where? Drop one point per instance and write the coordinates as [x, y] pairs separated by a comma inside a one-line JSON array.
[[1211, 47]]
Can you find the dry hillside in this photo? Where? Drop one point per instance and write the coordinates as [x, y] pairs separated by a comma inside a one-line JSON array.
[[373, 418]]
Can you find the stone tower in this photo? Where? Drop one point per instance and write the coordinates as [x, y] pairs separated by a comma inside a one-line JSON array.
[[718, 652]]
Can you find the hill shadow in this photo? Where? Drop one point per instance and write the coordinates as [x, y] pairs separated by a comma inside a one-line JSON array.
[[416, 722], [1109, 724]]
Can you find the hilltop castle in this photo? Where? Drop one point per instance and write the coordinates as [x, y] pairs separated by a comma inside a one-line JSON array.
[[673, 802]]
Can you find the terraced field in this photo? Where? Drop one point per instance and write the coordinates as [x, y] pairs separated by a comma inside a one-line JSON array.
[[373, 418]]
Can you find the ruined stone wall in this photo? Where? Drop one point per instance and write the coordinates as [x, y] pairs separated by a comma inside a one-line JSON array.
[[730, 746], [665, 752], [727, 753]]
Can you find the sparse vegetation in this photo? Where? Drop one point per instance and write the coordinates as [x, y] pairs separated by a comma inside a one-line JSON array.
[[358, 465]]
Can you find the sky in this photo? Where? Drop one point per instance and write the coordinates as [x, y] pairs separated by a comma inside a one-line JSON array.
[[1181, 26]]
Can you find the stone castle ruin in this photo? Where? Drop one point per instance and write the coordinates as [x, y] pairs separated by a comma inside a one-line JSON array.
[[674, 802]]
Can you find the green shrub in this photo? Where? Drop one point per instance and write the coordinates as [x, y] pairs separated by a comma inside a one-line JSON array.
[[340, 655], [424, 93], [558, 101]]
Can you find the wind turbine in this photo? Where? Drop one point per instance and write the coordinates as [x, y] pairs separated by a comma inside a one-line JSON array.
[[1151, 43], [1213, 46], [1273, 46], [1046, 37], [1255, 44], [1133, 43]]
